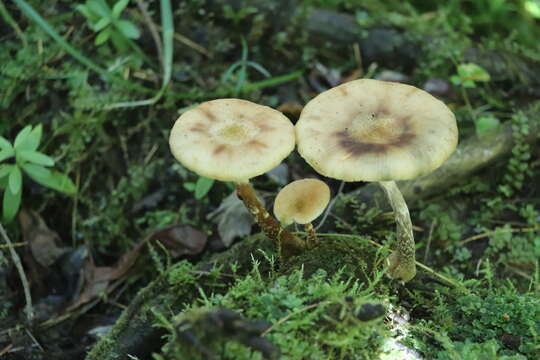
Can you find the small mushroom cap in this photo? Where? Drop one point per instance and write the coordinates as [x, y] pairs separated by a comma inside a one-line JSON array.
[[231, 139], [371, 130], [301, 201]]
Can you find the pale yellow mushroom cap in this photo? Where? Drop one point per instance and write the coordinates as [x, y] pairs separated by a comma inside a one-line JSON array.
[[231, 139], [301, 201], [371, 130]]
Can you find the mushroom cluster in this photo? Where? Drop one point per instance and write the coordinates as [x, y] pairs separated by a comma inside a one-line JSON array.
[[363, 130], [371, 130]]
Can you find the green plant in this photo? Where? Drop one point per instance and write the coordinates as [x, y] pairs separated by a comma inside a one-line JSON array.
[[201, 187], [237, 15], [239, 68], [107, 22], [33, 163], [469, 74]]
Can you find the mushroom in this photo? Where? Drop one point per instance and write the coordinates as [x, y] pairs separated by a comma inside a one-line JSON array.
[[302, 201], [371, 130], [236, 140]]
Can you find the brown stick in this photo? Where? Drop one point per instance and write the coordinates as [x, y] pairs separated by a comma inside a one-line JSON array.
[[287, 243]]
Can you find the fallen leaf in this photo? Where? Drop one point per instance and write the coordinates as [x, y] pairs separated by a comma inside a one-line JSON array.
[[180, 239], [279, 174], [97, 278], [233, 219], [42, 242]]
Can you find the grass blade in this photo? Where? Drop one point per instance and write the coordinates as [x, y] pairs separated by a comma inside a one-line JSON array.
[[34, 16], [167, 36]]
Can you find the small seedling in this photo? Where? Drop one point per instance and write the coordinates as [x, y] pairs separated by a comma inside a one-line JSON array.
[[469, 74], [107, 23], [33, 163], [201, 187]]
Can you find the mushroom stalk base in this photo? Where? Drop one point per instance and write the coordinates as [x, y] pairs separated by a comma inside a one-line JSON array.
[[402, 260], [287, 243], [311, 238]]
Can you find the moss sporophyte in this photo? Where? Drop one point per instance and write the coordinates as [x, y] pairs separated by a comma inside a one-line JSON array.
[[363, 130]]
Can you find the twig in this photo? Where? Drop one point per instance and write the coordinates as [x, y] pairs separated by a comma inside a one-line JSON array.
[[153, 29], [190, 43], [489, 233], [430, 237], [17, 261], [6, 349], [17, 244], [329, 207]]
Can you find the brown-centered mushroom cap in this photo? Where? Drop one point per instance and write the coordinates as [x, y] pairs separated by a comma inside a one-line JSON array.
[[371, 130], [231, 139], [301, 201]]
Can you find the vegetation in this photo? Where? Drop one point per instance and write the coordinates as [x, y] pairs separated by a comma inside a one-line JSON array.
[[94, 88]]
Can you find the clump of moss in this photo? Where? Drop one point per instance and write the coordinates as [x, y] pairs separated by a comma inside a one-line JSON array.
[[507, 324], [361, 260], [320, 317]]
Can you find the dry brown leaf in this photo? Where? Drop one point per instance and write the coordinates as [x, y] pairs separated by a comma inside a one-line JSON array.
[[180, 239], [42, 242]]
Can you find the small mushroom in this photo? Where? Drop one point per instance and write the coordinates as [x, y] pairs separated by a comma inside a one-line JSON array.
[[236, 140], [302, 201], [371, 130]]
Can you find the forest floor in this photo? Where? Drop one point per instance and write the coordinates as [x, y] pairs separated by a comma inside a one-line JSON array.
[[113, 250]]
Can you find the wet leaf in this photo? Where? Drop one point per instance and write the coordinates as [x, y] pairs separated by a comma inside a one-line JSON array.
[[43, 242], [233, 219], [180, 239], [98, 278]]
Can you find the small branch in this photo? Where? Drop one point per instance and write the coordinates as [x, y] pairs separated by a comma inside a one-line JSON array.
[[152, 27], [17, 261]]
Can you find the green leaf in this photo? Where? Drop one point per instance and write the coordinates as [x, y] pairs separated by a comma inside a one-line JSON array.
[[5, 144], [35, 157], [101, 24], [128, 29], [15, 180], [102, 37], [6, 154], [28, 138], [203, 186], [83, 9], [22, 135], [99, 7], [5, 169], [54, 180], [36, 172], [485, 124], [472, 72], [119, 7], [11, 204]]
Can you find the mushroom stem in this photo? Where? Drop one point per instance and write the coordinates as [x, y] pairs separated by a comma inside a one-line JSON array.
[[402, 260], [287, 243], [311, 238]]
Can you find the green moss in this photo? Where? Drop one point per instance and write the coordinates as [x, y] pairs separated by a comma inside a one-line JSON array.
[[313, 318], [355, 257]]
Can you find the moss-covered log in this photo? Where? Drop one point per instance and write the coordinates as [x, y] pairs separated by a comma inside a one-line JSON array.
[[135, 332]]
